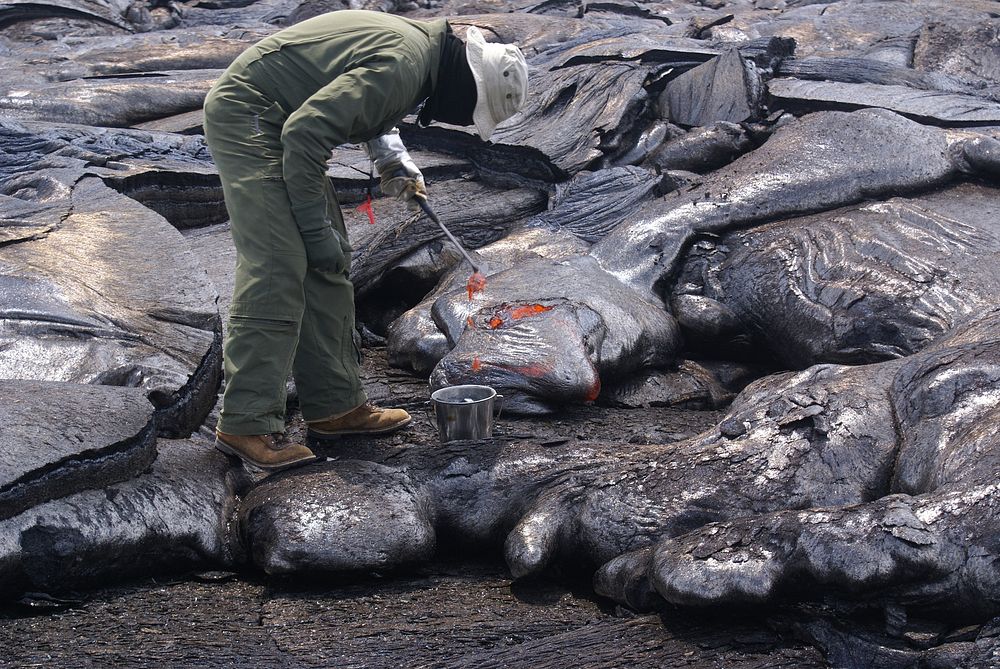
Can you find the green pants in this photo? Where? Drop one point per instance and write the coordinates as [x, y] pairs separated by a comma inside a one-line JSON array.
[[285, 317]]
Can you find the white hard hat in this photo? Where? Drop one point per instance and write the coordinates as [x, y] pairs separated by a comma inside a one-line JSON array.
[[501, 75]]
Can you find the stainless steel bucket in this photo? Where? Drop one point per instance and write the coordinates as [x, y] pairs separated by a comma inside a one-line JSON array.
[[464, 412]]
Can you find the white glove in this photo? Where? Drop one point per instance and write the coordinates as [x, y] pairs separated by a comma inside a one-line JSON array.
[[399, 175]]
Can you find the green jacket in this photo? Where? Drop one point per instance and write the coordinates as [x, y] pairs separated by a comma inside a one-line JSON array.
[[342, 77]]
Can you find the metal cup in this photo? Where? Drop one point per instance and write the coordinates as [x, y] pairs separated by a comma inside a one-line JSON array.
[[464, 412]]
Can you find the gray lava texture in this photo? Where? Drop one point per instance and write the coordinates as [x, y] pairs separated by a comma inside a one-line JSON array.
[[783, 210]]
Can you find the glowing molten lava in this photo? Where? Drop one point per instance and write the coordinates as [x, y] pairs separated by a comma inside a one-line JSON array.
[[535, 371], [366, 207], [476, 365], [516, 313], [528, 310], [475, 284]]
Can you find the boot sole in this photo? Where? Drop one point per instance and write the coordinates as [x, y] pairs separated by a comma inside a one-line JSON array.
[[329, 436], [229, 450]]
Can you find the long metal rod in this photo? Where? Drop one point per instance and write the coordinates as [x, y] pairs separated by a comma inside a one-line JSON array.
[[454, 240]]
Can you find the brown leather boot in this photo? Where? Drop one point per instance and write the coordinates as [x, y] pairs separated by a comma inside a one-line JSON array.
[[263, 450], [365, 419]]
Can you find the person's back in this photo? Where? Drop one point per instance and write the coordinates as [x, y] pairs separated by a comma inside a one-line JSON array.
[[290, 66]]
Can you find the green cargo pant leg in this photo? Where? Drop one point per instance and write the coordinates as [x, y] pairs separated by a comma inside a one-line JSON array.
[[272, 279], [327, 334], [268, 298], [327, 338]]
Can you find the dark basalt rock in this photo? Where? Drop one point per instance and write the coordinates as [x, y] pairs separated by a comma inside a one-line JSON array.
[[336, 516], [977, 647], [931, 106], [592, 204], [80, 305], [415, 341], [584, 208], [112, 13], [111, 100], [703, 149], [797, 479], [169, 519], [651, 137], [188, 197], [883, 29], [946, 399], [689, 385], [57, 439], [703, 318], [931, 546], [595, 75], [870, 71], [159, 51], [824, 437], [35, 145], [842, 238], [185, 123], [966, 51], [869, 329], [724, 89], [474, 212], [571, 85], [603, 97], [818, 162], [851, 285], [551, 331]]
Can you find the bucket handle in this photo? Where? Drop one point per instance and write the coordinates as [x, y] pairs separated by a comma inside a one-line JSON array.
[[499, 409]]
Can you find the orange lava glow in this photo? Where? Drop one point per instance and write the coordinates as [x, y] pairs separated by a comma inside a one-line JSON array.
[[475, 284], [535, 371], [469, 322], [516, 313], [528, 310], [476, 365], [594, 392]]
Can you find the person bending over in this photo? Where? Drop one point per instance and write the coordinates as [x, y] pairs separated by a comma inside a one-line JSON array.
[[271, 121]]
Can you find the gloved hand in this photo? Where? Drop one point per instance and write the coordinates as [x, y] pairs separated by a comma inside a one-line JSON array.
[[323, 250], [399, 175], [404, 182]]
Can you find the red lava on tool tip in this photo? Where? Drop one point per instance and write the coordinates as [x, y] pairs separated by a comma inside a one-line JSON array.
[[475, 284], [366, 207]]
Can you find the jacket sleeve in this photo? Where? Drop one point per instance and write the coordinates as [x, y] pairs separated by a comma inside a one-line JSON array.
[[354, 108]]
